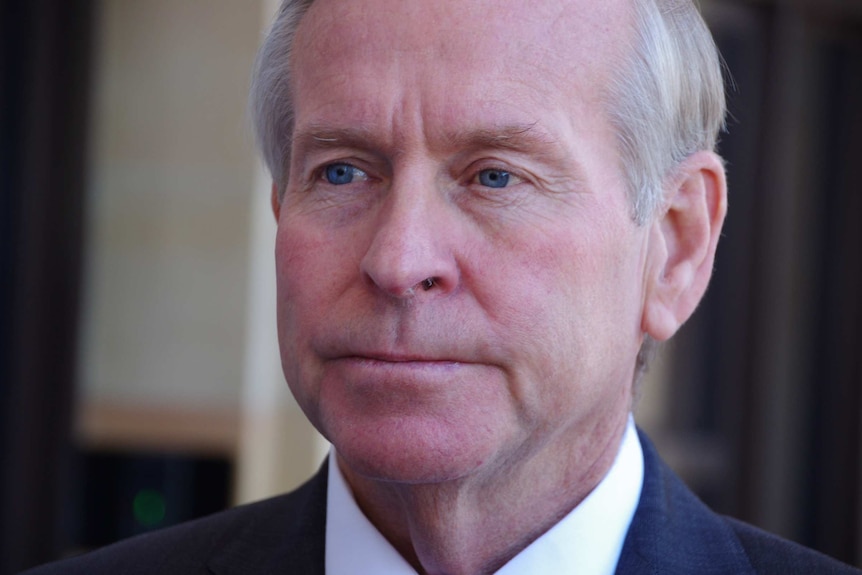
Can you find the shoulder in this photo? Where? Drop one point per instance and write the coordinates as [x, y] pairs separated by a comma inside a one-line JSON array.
[[770, 554], [673, 532], [263, 529], [179, 549]]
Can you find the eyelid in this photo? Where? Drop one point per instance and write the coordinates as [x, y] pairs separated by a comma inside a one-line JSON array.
[[321, 171], [311, 160], [318, 173], [516, 176]]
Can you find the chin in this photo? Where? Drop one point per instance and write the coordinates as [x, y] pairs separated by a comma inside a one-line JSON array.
[[416, 424], [413, 450]]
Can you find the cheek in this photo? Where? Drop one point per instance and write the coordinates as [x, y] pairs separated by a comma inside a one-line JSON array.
[[560, 275], [294, 268], [311, 263], [570, 298], [312, 274], [305, 266]]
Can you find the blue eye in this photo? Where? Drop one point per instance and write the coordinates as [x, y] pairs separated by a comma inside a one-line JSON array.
[[494, 178], [340, 174]]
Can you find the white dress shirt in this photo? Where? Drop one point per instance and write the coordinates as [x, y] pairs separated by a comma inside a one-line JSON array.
[[587, 541]]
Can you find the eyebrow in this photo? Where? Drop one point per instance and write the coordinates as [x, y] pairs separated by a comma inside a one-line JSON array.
[[323, 137], [515, 137]]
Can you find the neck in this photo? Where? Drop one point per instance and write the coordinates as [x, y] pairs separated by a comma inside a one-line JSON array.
[[477, 524]]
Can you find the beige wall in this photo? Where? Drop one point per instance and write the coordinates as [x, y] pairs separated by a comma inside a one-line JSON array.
[[170, 180], [178, 345]]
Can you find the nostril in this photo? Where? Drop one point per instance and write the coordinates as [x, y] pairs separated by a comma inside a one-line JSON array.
[[428, 283]]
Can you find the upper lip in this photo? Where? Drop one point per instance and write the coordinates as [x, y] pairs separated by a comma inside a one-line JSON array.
[[434, 346]]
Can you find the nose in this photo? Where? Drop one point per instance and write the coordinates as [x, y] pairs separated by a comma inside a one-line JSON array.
[[412, 248]]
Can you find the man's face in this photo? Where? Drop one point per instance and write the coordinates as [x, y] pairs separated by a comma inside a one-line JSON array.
[[464, 141]]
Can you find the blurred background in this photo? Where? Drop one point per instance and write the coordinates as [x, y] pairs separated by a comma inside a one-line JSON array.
[[139, 375]]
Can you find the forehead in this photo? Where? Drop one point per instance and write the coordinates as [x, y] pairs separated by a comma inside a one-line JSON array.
[[446, 27], [552, 36], [453, 60]]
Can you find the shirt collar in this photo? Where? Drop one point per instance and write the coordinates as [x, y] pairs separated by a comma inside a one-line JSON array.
[[587, 541]]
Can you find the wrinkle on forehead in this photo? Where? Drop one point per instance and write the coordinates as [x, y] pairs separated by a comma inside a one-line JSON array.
[[459, 30]]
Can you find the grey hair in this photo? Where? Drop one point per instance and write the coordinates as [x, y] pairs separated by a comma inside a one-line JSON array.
[[666, 100], [270, 99]]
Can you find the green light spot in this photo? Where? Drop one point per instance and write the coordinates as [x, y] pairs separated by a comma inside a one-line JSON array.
[[149, 507]]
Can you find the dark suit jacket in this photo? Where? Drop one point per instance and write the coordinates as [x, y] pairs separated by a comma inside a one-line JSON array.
[[672, 533]]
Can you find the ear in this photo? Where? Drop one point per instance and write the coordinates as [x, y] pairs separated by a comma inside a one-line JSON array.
[[275, 202], [683, 240]]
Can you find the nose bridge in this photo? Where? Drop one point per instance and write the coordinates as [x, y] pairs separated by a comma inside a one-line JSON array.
[[410, 244]]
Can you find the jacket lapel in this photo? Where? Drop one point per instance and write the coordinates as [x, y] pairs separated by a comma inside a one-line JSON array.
[[673, 532]]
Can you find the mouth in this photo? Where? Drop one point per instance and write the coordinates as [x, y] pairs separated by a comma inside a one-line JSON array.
[[392, 356], [397, 358], [384, 361], [402, 381], [402, 368]]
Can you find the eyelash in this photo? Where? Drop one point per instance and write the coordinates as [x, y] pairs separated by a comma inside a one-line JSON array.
[[513, 177], [352, 171]]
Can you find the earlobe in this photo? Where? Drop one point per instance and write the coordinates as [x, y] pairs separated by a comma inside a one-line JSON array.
[[683, 243], [275, 202]]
